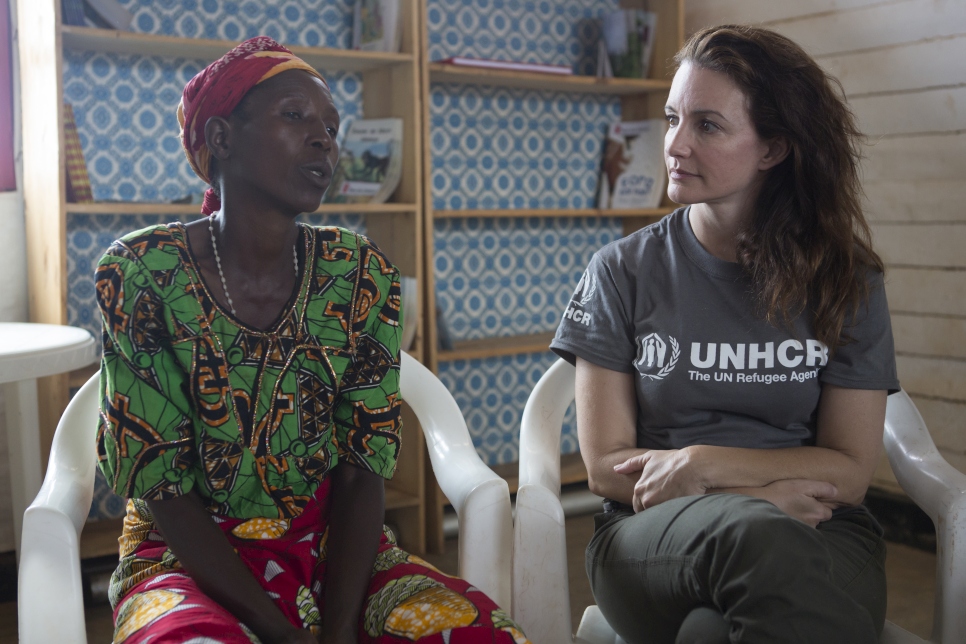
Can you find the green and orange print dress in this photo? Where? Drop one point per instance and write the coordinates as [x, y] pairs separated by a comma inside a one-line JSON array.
[[253, 421]]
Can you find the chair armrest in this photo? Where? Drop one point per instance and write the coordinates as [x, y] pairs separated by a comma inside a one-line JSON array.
[[486, 539], [540, 426], [940, 490], [49, 577], [921, 470], [541, 596], [481, 498], [50, 552], [69, 484]]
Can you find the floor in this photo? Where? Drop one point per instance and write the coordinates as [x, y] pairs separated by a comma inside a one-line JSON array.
[[911, 574]]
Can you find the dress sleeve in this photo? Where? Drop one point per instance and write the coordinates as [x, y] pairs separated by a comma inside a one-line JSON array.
[[145, 436], [596, 325], [367, 415], [867, 360]]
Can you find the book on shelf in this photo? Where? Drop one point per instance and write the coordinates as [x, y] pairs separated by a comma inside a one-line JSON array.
[[78, 181], [629, 37], [409, 294], [376, 25], [72, 12], [370, 165], [444, 339], [633, 171], [486, 63], [109, 14]]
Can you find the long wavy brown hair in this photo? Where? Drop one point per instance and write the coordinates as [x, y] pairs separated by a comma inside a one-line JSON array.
[[807, 245]]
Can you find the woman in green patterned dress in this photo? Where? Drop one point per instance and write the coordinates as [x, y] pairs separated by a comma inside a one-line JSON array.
[[250, 395]]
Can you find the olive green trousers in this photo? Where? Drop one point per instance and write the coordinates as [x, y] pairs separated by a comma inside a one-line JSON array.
[[724, 568]]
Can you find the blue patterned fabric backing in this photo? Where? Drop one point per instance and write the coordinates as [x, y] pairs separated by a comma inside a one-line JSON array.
[[498, 148], [492, 148]]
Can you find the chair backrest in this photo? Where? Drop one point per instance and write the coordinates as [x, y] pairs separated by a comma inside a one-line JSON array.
[[940, 490], [73, 450], [50, 554], [481, 499], [541, 594]]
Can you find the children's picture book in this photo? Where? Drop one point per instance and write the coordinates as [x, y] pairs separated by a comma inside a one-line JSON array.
[[409, 293], [376, 25], [109, 14], [633, 172], [78, 181], [629, 37], [370, 163], [72, 12]]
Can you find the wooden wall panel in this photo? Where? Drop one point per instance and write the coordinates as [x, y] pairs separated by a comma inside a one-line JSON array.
[[921, 245], [945, 422], [876, 25], [931, 110], [927, 335], [942, 292], [701, 13], [930, 63], [935, 157], [937, 377], [920, 200]]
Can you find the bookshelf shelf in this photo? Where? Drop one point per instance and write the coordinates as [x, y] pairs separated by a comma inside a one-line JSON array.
[[495, 347], [125, 42], [142, 208], [447, 73], [552, 212]]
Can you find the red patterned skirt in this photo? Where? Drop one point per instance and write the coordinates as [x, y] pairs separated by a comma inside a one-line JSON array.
[[409, 600]]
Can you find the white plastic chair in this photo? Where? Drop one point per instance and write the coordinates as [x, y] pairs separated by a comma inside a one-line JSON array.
[[50, 575], [541, 599]]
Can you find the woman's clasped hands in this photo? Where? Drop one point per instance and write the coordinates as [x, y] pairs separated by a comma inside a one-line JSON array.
[[665, 474], [673, 473]]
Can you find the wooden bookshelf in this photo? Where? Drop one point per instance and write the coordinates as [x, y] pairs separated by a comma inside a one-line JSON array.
[[494, 347], [127, 42], [553, 212], [181, 209], [447, 73]]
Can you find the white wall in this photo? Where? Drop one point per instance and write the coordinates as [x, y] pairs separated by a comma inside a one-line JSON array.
[[903, 66], [13, 285]]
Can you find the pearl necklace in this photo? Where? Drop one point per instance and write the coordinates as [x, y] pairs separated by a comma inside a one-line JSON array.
[[221, 274]]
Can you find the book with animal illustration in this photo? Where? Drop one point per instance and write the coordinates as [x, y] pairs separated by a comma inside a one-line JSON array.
[[370, 163], [632, 172], [376, 25]]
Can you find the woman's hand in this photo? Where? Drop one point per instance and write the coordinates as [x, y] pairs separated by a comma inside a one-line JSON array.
[[803, 499], [665, 475]]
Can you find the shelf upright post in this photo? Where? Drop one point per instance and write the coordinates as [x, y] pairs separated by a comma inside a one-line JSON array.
[[44, 186]]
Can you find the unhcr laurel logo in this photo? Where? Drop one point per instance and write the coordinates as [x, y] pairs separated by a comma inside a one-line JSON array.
[[652, 359], [585, 290]]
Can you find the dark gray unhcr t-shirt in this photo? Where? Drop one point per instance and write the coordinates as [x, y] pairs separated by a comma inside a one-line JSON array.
[[708, 371]]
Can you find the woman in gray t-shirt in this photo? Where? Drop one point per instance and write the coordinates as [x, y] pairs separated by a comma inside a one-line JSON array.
[[733, 363]]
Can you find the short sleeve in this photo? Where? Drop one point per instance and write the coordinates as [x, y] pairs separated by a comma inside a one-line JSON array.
[[367, 415], [596, 325], [868, 358], [145, 437]]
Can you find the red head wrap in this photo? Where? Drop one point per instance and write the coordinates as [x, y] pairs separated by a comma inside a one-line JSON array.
[[219, 88]]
